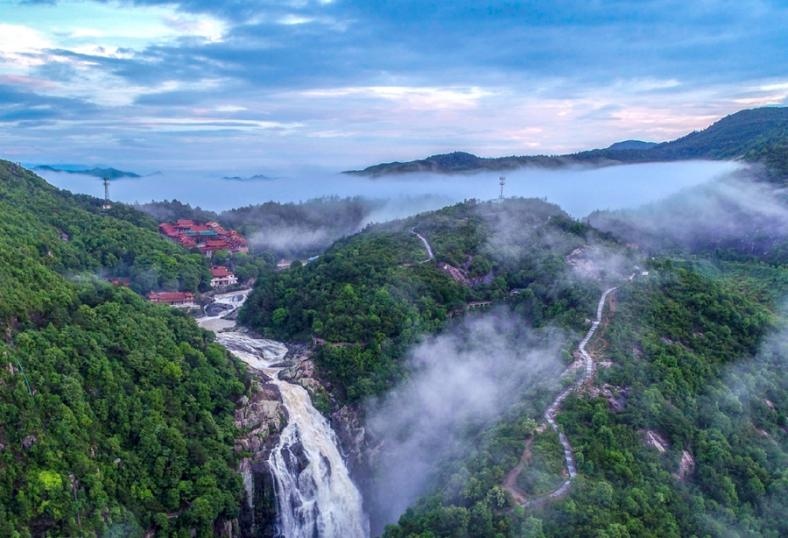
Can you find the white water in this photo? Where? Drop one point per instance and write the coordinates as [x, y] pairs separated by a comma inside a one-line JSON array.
[[315, 495]]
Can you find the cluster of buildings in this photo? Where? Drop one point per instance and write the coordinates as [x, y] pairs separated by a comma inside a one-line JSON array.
[[221, 277], [207, 238]]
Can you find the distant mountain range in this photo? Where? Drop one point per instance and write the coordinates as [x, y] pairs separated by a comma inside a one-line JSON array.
[[756, 135], [256, 177], [109, 173]]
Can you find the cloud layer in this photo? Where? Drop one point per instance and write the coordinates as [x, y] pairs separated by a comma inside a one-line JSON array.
[[346, 82]]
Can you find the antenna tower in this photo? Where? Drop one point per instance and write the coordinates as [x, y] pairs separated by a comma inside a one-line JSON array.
[[501, 182], [107, 203]]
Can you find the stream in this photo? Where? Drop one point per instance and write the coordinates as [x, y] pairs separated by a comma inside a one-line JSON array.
[[315, 494]]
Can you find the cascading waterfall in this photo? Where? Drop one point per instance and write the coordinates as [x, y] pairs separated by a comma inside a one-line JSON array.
[[315, 494]]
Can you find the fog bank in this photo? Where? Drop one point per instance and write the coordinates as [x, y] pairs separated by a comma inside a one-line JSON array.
[[577, 190], [734, 214], [461, 381]]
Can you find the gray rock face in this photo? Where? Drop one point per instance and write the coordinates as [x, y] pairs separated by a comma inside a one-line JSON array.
[[302, 372], [260, 418]]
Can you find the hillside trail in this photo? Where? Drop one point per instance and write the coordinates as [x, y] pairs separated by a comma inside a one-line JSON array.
[[510, 483], [426, 245]]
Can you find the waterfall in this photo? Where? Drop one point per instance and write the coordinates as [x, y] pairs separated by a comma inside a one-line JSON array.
[[315, 494]]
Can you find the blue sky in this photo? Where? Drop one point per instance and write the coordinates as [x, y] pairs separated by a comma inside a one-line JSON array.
[[267, 85]]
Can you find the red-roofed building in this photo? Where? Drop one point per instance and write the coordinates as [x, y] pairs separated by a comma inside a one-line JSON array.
[[221, 277], [187, 242], [174, 298], [208, 237]]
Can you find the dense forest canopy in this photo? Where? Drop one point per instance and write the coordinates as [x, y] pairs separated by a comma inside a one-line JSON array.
[[697, 354], [371, 295], [116, 415]]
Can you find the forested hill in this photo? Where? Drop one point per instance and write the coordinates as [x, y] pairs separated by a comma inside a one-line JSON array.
[[373, 294], [116, 415], [757, 135], [70, 233], [688, 353]]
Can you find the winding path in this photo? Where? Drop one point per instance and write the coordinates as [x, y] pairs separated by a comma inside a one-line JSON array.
[[426, 245], [510, 483]]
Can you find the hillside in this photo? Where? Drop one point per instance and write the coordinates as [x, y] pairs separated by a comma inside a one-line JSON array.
[[683, 434], [756, 135], [116, 415], [677, 342], [372, 294]]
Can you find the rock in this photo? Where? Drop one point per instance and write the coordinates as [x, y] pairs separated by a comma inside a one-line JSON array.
[[261, 418], [349, 428], [29, 441], [657, 441], [686, 465], [295, 458]]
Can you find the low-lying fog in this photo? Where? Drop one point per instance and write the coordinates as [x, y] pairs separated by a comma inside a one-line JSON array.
[[578, 191]]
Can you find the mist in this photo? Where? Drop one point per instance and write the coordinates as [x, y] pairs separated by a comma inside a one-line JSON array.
[[577, 190], [735, 213], [461, 381]]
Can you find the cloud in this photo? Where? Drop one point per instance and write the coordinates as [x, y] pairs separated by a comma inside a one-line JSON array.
[[461, 382], [407, 78], [734, 213]]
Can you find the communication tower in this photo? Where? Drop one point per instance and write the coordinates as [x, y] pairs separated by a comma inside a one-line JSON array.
[[501, 182], [107, 204]]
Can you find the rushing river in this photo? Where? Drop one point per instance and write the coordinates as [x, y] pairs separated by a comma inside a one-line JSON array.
[[315, 494]]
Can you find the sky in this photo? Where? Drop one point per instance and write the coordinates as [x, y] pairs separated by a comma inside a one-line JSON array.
[[274, 84]]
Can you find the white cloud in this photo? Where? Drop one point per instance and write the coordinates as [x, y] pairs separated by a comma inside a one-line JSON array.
[[208, 28], [293, 20], [20, 47], [230, 108], [415, 97], [18, 38]]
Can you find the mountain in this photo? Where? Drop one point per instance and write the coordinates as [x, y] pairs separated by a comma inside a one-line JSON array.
[[255, 177], [108, 173], [632, 144], [116, 415], [756, 135], [457, 163]]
